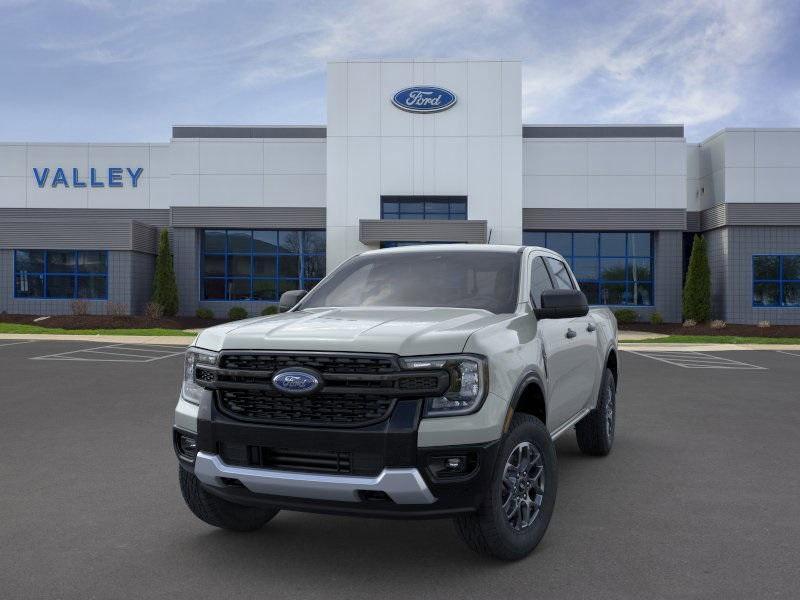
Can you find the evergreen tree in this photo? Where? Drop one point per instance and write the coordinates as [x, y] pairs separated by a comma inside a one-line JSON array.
[[697, 290], [165, 288]]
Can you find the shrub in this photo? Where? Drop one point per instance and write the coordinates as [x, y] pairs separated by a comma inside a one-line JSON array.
[[697, 290], [236, 313], [718, 324], [269, 310], [165, 288], [656, 318], [764, 324], [153, 311], [690, 323], [204, 313], [626, 315], [79, 308], [116, 309]]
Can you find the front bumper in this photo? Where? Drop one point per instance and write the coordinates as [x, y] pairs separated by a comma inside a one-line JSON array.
[[390, 475]]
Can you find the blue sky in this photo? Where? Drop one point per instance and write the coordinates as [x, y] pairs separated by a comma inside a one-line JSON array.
[[105, 70]]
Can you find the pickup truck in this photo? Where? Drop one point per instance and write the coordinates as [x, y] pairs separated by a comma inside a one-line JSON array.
[[413, 382]]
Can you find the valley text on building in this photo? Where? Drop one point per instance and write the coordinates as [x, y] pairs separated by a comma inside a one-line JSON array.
[[413, 151]]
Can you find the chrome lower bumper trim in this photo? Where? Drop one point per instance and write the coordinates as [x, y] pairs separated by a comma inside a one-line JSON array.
[[403, 486]]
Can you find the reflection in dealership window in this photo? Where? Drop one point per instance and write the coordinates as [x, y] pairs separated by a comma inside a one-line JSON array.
[[61, 274], [260, 264], [776, 280]]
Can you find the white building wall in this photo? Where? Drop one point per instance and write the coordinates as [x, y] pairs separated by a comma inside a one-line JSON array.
[[605, 173], [375, 149]]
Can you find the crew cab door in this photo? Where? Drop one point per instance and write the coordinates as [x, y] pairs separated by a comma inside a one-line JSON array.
[[570, 345]]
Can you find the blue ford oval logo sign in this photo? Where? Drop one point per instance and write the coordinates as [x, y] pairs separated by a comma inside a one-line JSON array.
[[424, 99], [295, 381]]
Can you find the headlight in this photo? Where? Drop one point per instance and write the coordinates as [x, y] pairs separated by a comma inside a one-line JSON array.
[[468, 383], [191, 391]]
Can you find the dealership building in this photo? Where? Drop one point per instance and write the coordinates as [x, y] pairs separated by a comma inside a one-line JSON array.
[[413, 151]]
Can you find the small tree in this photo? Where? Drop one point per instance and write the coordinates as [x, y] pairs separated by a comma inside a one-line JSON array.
[[697, 290], [165, 288]]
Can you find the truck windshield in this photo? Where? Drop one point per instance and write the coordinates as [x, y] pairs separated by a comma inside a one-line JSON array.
[[486, 280]]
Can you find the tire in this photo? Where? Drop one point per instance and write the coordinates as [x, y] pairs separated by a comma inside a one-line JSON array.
[[218, 512], [595, 432], [490, 531]]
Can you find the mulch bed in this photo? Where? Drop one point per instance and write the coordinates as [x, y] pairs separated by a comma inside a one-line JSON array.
[[110, 322], [774, 331]]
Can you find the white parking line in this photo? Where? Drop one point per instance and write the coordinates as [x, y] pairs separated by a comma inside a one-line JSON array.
[[127, 352], [699, 360], [16, 343], [787, 353]]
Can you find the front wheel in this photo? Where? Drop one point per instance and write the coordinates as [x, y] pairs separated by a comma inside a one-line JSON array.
[[517, 508]]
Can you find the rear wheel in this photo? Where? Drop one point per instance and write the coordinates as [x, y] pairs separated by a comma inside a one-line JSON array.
[[595, 432], [516, 510], [218, 512]]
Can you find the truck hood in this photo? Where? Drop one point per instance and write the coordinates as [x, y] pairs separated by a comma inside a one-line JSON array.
[[404, 331]]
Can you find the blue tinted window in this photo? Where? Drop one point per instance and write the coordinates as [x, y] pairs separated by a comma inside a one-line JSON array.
[[611, 267], [65, 274], [449, 208], [260, 264], [776, 280]]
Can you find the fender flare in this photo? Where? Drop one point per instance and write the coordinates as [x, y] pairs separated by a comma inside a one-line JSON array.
[[524, 381]]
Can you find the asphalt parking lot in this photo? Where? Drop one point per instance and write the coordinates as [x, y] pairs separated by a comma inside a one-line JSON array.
[[699, 499]]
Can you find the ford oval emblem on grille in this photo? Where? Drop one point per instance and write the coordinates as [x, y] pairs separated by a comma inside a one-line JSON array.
[[296, 381]]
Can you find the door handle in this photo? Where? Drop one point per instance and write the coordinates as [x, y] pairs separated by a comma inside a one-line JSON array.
[[571, 333], [591, 327]]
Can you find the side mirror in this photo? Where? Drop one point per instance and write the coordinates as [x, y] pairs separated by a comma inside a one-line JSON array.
[[290, 298], [562, 304]]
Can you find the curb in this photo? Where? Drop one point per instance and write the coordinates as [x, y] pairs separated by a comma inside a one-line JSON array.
[[627, 347]]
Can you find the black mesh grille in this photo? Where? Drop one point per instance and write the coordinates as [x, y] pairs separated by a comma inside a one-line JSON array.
[[322, 363], [341, 410], [293, 459]]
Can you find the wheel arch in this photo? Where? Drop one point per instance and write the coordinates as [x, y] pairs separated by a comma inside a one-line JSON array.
[[529, 398]]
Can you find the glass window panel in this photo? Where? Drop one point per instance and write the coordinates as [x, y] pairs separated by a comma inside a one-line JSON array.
[[238, 266], [639, 244], [92, 286], [766, 294], [765, 267], [791, 294], [314, 266], [313, 242], [413, 207], [561, 278], [391, 216], [214, 264], [640, 294], [30, 260], [585, 268], [29, 286], [265, 289], [288, 266], [639, 269], [612, 244], [591, 290], [214, 240], [612, 293], [60, 261], [92, 261], [791, 267], [265, 266], [408, 216], [533, 238], [560, 242], [612, 269], [265, 242], [437, 207], [458, 206], [289, 242], [390, 207], [238, 289], [586, 244], [214, 289], [540, 280], [458, 216], [240, 241], [60, 286], [287, 285]]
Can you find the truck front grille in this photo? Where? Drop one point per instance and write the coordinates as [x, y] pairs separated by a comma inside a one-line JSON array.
[[356, 391], [341, 410]]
